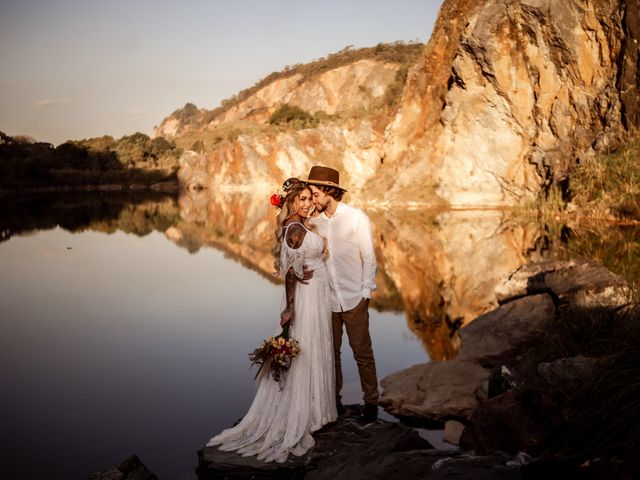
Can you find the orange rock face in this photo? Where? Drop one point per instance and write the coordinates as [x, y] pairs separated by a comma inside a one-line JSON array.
[[507, 95]]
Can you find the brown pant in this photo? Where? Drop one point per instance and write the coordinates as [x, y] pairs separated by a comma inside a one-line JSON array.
[[357, 322]]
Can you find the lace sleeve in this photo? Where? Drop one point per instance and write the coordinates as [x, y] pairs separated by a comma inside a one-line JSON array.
[[291, 255], [291, 259]]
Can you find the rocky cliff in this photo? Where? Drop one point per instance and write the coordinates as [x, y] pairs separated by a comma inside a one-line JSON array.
[[509, 94], [339, 108], [506, 96]]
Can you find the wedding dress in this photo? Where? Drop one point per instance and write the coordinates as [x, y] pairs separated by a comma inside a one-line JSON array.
[[280, 420]]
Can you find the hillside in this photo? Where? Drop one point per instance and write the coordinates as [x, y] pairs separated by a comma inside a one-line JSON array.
[[507, 96]]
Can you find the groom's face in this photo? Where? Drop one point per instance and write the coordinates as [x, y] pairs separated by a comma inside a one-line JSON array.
[[320, 199]]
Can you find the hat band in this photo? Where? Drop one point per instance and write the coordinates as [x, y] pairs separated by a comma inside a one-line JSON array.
[[327, 183]]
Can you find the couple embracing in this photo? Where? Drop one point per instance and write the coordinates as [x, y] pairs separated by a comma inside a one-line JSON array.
[[326, 254]]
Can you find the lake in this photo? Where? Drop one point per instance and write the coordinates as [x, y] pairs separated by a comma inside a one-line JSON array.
[[127, 319]]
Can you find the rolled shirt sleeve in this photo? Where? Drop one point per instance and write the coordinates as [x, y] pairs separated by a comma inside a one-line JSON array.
[[367, 254]]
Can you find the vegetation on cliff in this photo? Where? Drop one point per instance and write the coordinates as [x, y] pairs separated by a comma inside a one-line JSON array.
[[401, 53], [609, 184], [595, 213], [290, 115], [398, 52], [26, 163], [605, 187]]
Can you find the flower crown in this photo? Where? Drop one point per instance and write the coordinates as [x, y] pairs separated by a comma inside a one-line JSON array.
[[277, 199]]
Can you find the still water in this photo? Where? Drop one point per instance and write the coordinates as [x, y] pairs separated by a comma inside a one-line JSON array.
[[114, 343], [126, 322]]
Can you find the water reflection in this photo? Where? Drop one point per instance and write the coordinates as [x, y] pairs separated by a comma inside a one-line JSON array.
[[446, 266], [139, 213], [127, 331], [439, 266]]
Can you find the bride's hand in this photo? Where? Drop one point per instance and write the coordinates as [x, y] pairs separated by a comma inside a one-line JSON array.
[[306, 275], [286, 316]]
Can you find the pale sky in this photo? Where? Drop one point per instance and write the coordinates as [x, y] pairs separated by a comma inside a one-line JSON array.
[[72, 69]]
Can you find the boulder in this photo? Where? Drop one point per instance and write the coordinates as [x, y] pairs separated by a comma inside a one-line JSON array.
[[567, 375], [589, 285], [435, 391], [439, 391], [502, 334], [453, 432], [511, 423], [527, 279], [582, 283]]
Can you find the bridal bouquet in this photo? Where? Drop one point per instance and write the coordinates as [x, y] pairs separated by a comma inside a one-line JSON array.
[[275, 354]]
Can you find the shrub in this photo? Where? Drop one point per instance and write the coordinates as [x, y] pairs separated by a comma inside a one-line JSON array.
[[609, 183], [394, 90], [290, 115]]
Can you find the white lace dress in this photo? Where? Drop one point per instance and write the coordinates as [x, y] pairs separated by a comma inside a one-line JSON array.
[[280, 421]]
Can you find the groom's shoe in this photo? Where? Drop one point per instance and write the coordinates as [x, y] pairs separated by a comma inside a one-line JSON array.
[[369, 414], [340, 408]]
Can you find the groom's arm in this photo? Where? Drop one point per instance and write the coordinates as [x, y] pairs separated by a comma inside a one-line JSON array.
[[367, 255]]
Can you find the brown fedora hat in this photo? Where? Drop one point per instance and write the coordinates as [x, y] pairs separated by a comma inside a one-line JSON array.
[[325, 176]]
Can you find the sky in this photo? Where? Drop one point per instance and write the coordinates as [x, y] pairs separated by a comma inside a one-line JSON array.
[[72, 69]]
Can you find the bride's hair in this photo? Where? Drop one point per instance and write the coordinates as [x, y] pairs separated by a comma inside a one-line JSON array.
[[293, 187]]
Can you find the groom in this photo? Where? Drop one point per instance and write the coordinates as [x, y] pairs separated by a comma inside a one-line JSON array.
[[352, 269]]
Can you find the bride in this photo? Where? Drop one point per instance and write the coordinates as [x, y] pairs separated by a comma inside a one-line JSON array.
[[280, 420]]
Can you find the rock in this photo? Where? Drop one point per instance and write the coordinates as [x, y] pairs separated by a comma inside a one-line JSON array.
[[439, 391], [435, 465], [499, 336], [435, 391], [452, 432], [344, 449], [504, 99], [589, 285], [576, 466], [582, 283], [500, 380], [508, 95], [394, 464], [512, 422], [130, 469], [567, 375], [527, 279]]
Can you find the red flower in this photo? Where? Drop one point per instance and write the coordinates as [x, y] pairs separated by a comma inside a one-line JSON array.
[[276, 200]]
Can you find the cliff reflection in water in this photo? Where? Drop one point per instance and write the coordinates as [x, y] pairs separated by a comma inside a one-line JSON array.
[[446, 265], [441, 267]]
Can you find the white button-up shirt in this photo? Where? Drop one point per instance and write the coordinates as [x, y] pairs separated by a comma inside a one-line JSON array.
[[351, 263]]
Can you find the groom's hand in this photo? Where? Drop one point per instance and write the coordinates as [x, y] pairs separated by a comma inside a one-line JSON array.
[[306, 275]]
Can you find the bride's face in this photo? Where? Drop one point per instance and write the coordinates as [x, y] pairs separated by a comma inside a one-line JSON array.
[[303, 203]]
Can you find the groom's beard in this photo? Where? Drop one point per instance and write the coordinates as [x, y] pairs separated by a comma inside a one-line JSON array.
[[320, 208]]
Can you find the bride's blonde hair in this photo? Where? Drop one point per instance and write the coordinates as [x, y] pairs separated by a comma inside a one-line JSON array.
[[293, 187]]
